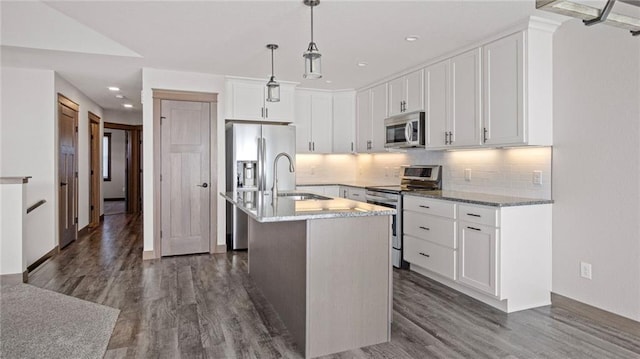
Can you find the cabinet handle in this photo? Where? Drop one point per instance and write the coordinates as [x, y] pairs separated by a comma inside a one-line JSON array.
[[351, 146], [356, 195], [446, 138], [474, 215], [313, 146], [309, 146], [262, 112], [369, 144], [424, 254], [450, 137], [474, 228], [425, 228], [266, 112], [484, 135], [421, 206]]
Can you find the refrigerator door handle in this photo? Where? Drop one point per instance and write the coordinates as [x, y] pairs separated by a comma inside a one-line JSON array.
[[263, 160], [260, 172]]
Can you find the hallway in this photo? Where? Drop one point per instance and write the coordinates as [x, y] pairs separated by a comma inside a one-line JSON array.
[[206, 306]]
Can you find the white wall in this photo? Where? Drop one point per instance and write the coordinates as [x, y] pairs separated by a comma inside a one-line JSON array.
[[116, 187], [27, 148], [596, 166], [63, 87], [183, 81], [125, 117]]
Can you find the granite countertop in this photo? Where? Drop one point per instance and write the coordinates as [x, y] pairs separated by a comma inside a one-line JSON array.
[[261, 207], [348, 184], [479, 198]]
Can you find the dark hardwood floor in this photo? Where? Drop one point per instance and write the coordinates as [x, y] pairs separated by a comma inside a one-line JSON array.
[[205, 306], [114, 207]]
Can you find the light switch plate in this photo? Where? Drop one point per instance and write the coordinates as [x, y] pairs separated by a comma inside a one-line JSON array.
[[537, 177], [467, 174]]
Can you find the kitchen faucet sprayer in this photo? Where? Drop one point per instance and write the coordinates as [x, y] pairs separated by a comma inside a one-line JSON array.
[[292, 168]]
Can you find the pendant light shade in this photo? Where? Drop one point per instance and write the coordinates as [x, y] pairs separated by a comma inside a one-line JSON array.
[[273, 87], [312, 65]]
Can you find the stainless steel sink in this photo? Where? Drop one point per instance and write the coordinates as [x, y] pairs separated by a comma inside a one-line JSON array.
[[304, 196]]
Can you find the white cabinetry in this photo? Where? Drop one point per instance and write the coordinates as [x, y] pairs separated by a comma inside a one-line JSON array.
[[465, 99], [327, 190], [246, 100], [313, 120], [498, 255], [436, 89], [356, 194], [344, 121], [371, 112], [406, 93]]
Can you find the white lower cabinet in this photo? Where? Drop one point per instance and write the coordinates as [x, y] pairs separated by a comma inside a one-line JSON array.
[[478, 257], [327, 190], [356, 194], [498, 255]]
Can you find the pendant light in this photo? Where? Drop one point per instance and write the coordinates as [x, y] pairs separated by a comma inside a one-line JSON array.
[[312, 67], [273, 87]]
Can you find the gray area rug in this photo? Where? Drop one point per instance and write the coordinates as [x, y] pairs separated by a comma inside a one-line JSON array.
[[38, 323]]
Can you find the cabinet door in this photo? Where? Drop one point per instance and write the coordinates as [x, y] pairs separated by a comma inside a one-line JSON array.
[[397, 90], [332, 191], [363, 121], [344, 191], [465, 98], [478, 259], [321, 122], [247, 100], [414, 91], [437, 104], [344, 122], [282, 110], [303, 121], [357, 194], [311, 189], [503, 78], [378, 115]]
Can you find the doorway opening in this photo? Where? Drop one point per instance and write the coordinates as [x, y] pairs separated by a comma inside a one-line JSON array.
[[121, 168]]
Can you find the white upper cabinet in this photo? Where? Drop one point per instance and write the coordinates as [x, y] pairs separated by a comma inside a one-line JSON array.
[[503, 75], [344, 121], [363, 121], [246, 100], [314, 121], [436, 90], [406, 93], [465, 99], [378, 115]]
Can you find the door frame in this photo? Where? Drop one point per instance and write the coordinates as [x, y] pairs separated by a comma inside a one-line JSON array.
[[95, 172], [133, 166], [67, 102], [173, 95]]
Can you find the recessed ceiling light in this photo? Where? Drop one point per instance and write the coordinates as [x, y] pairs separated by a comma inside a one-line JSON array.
[[113, 88], [362, 64], [412, 38], [127, 105], [329, 81], [119, 96]]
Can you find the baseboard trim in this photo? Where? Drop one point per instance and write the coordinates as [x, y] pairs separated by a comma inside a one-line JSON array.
[[220, 248], [114, 199], [16, 278], [596, 314], [41, 260], [148, 255]]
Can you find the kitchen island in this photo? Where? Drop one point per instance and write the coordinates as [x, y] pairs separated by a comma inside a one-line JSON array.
[[324, 264]]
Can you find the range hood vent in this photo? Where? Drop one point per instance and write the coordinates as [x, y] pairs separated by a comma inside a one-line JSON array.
[[592, 15]]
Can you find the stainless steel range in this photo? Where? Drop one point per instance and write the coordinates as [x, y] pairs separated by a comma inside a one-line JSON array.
[[412, 178]]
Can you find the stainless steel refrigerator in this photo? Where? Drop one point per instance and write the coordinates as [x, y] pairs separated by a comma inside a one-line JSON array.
[[250, 149]]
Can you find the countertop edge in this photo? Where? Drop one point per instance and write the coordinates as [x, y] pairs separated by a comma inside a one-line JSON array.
[[531, 202]]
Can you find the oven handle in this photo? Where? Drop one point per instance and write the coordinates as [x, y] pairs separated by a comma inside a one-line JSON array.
[[408, 130], [383, 204], [380, 199]]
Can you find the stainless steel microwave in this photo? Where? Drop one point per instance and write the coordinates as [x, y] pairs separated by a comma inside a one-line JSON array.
[[404, 131]]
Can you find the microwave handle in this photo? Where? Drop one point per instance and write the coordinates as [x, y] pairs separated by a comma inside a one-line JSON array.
[[408, 130]]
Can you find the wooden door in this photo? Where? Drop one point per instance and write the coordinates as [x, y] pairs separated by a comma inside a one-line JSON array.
[[67, 167], [185, 177], [94, 170]]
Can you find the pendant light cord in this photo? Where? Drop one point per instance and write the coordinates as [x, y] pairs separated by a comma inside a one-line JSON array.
[[272, 62], [311, 23]]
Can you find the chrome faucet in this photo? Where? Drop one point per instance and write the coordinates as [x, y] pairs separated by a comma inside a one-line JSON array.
[[292, 168]]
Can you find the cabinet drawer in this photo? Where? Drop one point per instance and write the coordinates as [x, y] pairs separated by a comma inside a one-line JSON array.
[[433, 257], [429, 206], [431, 228], [481, 215]]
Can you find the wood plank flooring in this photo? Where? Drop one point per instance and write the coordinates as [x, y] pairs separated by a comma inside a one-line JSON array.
[[205, 306]]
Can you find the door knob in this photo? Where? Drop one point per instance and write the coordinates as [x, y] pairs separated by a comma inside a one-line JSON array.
[[204, 185]]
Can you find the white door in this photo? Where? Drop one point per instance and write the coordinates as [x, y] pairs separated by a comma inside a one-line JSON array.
[[414, 96], [465, 98], [397, 95], [185, 177], [282, 110], [248, 100], [478, 257], [321, 122], [303, 122], [436, 104], [344, 118], [503, 78]]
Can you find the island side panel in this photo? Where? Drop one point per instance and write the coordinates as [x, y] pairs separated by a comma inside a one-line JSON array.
[[277, 266], [349, 283]]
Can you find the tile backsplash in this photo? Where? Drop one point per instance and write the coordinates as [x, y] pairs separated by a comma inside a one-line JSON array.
[[493, 171]]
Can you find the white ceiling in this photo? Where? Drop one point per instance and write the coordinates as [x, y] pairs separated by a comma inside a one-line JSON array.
[[97, 44]]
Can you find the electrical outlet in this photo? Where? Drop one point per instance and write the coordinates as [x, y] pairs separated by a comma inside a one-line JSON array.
[[537, 177], [313, 170], [585, 270], [467, 174]]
